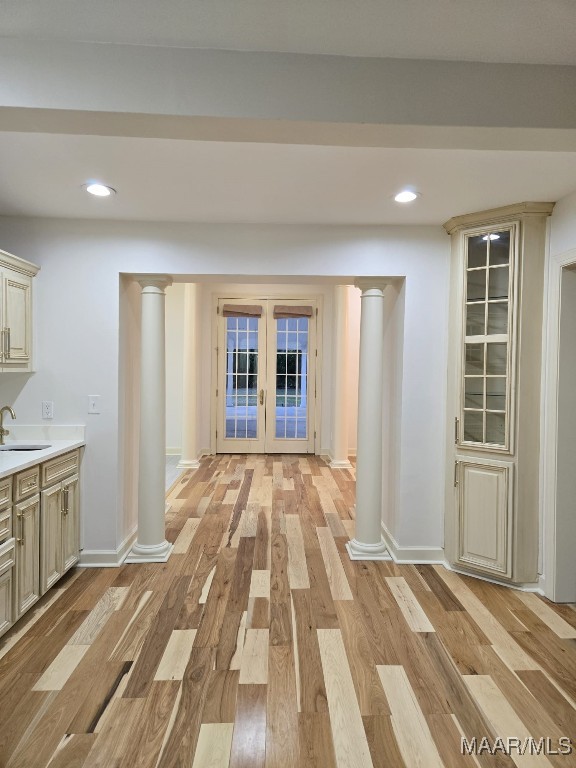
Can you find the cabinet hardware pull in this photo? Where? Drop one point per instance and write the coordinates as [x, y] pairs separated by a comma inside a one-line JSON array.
[[261, 397], [456, 430], [2, 345], [21, 527], [7, 356], [456, 473], [65, 501]]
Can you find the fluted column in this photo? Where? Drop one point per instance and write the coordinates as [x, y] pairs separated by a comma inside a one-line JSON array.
[[189, 458], [151, 544], [340, 381], [368, 543]]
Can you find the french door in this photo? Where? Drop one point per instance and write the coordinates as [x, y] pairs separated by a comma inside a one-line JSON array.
[[265, 397]]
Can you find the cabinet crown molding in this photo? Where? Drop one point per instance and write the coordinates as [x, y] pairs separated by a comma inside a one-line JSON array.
[[18, 264], [498, 215]]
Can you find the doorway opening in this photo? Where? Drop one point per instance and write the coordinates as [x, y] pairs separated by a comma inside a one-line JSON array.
[[266, 375]]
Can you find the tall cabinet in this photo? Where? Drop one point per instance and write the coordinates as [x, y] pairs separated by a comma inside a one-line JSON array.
[[497, 288]]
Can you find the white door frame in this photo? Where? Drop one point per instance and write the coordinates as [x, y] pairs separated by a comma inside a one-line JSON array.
[[549, 422], [255, 296]]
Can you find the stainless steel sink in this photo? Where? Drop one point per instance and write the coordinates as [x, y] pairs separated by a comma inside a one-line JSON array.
[[23, 447]]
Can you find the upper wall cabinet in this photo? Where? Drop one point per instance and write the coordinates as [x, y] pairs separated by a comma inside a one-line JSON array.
[[16, 277], [497, 279]]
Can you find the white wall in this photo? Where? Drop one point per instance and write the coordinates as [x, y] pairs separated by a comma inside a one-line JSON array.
[[563, 225], [78, 332], [174, 366]]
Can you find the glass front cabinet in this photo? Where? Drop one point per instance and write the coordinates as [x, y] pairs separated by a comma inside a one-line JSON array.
[[495, 350]]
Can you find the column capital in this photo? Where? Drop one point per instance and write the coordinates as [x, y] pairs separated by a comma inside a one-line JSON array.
[[160, 282], [372, 283]]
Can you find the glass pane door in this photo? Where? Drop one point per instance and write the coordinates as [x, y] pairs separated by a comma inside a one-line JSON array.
[[292, 378], [265, 399], [240, 424], [241, 377]]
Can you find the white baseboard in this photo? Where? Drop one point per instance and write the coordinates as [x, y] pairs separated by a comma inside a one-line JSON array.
[[107, 558], [411, 555], [173, 451]]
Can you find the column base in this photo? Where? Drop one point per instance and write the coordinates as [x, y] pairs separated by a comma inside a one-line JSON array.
[[154, 553], [359, 551], [336, 464], [188, 464]]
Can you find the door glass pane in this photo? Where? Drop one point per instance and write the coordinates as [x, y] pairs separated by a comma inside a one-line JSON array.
[[241, 378], [496, 393], [476, 285], [495, 428], [498, 283], [292, 378], [474, 359], [477, 252], [500, 248], [473, 426], [498, 317], [475, 319], [496, 359], [474, 392]]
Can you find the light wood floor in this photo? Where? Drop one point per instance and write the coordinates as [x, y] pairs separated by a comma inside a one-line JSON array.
[[260, 644]]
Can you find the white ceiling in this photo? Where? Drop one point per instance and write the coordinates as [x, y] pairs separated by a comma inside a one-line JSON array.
[[524, 31], [166, 180], [169, 180]]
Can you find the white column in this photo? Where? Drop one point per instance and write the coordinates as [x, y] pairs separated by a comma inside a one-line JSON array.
[[189, 458], [340, 381], [151, 544], [368, 543]]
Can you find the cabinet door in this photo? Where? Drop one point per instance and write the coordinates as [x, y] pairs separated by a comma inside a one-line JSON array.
[[17, 321], [27, 554], [5, 601], [70, 522], [51, 560], [485, 516]]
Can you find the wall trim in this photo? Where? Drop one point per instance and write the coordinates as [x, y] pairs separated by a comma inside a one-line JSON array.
[[411, 555], [549, 400], [107, 558], [173, 451]]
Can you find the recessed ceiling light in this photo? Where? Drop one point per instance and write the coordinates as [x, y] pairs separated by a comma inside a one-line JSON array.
[[100, 190], [405, 196], [491, 237]]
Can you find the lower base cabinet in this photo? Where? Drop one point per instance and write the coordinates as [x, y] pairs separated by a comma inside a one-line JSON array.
[[6, 580], [27, 532], [60, 531]]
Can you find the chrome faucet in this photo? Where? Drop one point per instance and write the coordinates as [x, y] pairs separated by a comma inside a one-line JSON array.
[[4, 432]]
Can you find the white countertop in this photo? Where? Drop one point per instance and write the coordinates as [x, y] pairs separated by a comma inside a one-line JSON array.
[[16, 461]]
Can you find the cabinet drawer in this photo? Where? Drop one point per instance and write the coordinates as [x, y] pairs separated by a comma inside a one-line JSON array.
[[5, 523], [26, 483], [60, 467], [6, 556], [5, 491]]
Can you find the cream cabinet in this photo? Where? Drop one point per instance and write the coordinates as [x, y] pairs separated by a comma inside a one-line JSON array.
[[497, 275], [16, 277], [39, 532], [60, 530], [27, 582], [6, 585]]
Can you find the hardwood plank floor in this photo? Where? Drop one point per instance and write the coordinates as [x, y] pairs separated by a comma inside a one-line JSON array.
[[260, 644]]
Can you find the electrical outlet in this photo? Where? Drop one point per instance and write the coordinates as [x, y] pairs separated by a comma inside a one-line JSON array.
[[93, 403], [47, 409]]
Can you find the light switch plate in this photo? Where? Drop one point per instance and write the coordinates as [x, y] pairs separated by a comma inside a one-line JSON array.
[[93, 403]]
